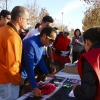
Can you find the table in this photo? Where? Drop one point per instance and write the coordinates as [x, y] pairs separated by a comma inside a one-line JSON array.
[[61, 74]]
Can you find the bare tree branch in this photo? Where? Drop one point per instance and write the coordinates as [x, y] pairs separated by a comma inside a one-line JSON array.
[[34, 11], [3, 4]]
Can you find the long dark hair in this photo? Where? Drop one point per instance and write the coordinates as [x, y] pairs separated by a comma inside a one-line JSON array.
[[76, 31]]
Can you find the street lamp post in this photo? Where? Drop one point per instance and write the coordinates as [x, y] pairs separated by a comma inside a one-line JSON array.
[[62, 20], [6, 4]]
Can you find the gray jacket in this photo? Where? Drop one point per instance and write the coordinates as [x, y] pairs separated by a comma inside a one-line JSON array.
[[77, 47]]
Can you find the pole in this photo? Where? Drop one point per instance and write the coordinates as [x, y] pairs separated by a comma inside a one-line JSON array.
[[6, 4], [62, 20]]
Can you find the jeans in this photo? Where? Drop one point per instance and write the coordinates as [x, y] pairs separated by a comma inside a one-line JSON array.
[[9, 91]]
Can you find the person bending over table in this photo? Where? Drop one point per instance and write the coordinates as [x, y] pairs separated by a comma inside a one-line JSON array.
[[33, 48]]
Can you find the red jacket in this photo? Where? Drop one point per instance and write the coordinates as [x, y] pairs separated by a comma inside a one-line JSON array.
[[93, 57], [61, 44]]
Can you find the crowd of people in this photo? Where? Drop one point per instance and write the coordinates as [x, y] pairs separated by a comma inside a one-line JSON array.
[[29, 56]]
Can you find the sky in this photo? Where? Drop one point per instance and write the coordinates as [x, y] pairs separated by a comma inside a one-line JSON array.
[[73, 10]]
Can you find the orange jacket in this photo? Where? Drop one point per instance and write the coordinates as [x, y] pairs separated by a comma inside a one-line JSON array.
[[93, 57], [10, 55]]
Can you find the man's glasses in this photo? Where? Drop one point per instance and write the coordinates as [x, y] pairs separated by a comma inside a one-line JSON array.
[[66, 33], [26, 19], [50, 39]]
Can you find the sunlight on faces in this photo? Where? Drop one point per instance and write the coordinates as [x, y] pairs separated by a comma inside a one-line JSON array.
[[24, 20], [52, 38], [47, 40]]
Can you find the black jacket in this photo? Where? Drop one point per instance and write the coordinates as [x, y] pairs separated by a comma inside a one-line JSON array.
[[89, 82]]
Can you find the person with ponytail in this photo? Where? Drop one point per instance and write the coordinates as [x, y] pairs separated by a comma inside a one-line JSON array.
[[89, 67]]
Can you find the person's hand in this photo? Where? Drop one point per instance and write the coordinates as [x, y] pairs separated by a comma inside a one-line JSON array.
[[37, 92], [53, 69], [75, 85], [76, 41], [51, 75]]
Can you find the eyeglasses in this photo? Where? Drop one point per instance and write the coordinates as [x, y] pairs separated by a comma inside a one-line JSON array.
[[26, 19], [66, 33], [50, 39]]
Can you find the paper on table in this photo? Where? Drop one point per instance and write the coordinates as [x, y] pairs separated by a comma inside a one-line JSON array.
[[71, 94]]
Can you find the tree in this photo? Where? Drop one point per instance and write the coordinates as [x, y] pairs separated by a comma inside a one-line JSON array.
[[92, 16], [93, 2], [33, 9], [4, 4], [42, 13], [57, 23], [35, 13]]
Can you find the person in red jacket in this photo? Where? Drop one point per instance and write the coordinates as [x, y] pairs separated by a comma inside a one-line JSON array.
[[89, 67], [61, 50]]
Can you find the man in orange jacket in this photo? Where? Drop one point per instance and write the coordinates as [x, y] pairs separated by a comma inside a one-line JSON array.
[[10, 54]]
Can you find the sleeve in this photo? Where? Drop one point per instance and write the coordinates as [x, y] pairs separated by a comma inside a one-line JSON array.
[[43, 66], [89, 83], [28, 60], [13, 57], [68, 48], [73, 41]]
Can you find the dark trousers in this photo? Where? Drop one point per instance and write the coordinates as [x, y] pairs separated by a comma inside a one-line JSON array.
[[74, 56]]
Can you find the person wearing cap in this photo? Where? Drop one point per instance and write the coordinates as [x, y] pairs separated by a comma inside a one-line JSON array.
[[61, 49], [5, 17]]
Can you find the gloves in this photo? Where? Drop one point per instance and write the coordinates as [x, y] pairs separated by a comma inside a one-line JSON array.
[[62, 53], [57, 51]]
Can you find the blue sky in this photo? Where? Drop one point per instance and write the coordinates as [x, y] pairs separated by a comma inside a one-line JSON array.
[[73, 10]]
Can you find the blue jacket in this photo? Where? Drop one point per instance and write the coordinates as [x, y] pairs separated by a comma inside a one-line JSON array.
[[32, 55]]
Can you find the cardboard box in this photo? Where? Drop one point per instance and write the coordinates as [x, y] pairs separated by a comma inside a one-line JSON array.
[[70, 68]]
